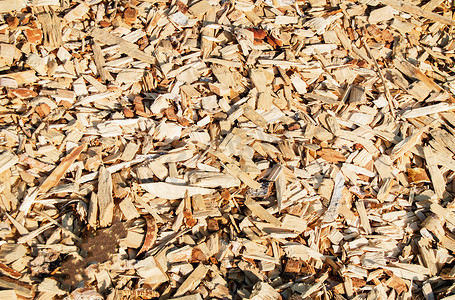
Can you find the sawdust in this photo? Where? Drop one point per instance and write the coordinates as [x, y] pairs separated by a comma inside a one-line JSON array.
[[96, 247]]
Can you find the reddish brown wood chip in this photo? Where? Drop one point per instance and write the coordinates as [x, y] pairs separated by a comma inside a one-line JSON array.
[[307, 140], [4, 269], [331, 155], [150, 235], [24, 93], [259, 34], [34, 36], [130, 15], [418, 175]]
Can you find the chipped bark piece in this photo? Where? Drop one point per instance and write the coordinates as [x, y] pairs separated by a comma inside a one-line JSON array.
[[199, 8], [332, 210], [428, 110], [280, 185], [363, 216], [212, 179], [255, 117], [130, 15], [92, 214], [8, 294], [148, 208], [331, 155], [130, 151], [397, 284], [435, 173], [105, 199], [385, 188], [139, 107], [128, 113], [261, 212], [259, 34], [23, 93], [43, 110], [264, 191], [119, 186], [7, 160], [381, 14], [9, 6], [293, 266], [7, 54], [5, 270], [418, 175], [412, 9], [212, 225], [149, 269], [77, 12], [263, 291], [13, 22], [24, 77], [150, 235], [244, 177], [62, 168], [193, 280], [173, 191], [12, 252], [51, 29], [405, 145], [100, 62], [443, 213], [158, 169], [128, 209], [34, 36], [22, 289], [124, 46]]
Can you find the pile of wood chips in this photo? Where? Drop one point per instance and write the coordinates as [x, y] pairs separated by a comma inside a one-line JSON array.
[[212, 149]]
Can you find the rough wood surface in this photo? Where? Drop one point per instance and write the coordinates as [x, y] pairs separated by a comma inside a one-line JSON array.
[[208, 149], [105, 198]]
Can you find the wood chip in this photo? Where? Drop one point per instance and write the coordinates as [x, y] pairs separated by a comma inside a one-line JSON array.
[[227, 149], [150, 236], [105, 199]]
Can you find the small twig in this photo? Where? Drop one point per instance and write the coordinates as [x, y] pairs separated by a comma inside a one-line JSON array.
[[386, 89]]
